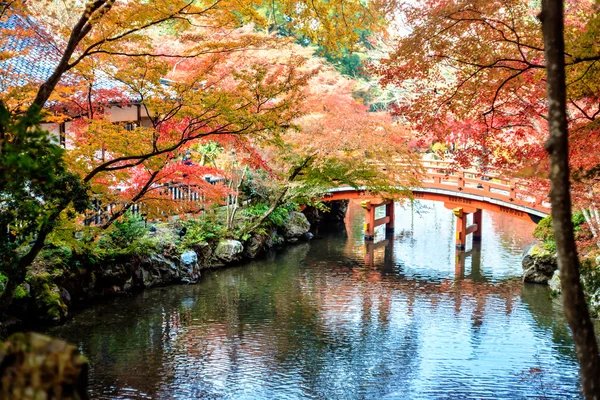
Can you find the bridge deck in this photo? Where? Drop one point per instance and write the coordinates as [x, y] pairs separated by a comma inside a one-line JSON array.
[[467, 188]]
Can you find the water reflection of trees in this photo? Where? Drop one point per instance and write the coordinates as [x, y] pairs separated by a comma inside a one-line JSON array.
[[322, 317]]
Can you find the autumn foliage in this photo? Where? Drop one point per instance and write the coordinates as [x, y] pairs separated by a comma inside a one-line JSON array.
[[477, 80], [198, 73]]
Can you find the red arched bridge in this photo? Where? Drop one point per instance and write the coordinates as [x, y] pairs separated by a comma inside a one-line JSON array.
[[463, 191]]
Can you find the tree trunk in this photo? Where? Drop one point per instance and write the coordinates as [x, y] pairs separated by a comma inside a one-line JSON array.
[[19, 271], [14, 280], [575, 306], [592, 222]]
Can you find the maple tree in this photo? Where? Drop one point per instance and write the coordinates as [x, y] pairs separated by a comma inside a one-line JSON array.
[[145, 159], [338, 142], [93, 41], [478, 72]]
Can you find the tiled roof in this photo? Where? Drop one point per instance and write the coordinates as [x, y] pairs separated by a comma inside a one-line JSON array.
[[33, 60]]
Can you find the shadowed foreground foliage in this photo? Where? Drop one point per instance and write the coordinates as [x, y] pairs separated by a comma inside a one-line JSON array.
[[34, 366]]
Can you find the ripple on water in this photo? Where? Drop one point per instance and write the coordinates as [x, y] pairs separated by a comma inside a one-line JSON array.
[[328, 320]]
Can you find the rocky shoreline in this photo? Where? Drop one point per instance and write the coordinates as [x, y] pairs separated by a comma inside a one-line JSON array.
[[540, 266], [51, 297]]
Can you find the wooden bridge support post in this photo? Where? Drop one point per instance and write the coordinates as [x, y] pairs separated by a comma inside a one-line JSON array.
[[459, 266], [477, 220], [371, 223], [389, 212], [369, 226], [461, 228], [369, 254]]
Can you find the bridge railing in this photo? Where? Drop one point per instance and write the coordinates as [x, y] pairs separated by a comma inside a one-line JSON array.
[[439, 174]]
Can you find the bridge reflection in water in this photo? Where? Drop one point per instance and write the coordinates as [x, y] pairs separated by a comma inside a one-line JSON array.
[[316, 321], [473, 282], [470, 282], [387, 246]]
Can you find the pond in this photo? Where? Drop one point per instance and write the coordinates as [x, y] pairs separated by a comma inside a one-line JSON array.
[[405, 318]]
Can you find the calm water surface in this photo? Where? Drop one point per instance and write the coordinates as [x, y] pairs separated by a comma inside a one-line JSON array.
[[407, 318]]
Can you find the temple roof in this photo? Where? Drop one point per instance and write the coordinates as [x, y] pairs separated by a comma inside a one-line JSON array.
[[31, 58]]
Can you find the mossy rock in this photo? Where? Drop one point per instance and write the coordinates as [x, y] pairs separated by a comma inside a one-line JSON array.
[[295, 226], [538, 265], [540, 251], [22, 291], [34, 366], [47, 299]]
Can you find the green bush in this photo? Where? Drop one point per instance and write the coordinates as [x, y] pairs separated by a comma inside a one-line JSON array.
[[3, 279], [578, 220], [277, 218], [129, 236], [590, 276], [203, 229], [21, 293], [545, 232], [126, 231]]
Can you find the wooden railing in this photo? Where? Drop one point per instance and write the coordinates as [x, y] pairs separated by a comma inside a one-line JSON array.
[[440, 175], [440, 181]]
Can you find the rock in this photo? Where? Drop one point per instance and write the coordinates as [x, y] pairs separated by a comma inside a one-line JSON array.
[[254, 246], [228, 251], [189, 257], [22, 291], [274, 240], [65, 296], [47, 298], [295, 226], [204, 252], [114, 274], [156, 270], [554, 283], [328, 221], [594, 303], [538, 265], [128, 285], [337, 211], [34, 366], [313, 215], [189, 270], [170, 250], [143, 277]]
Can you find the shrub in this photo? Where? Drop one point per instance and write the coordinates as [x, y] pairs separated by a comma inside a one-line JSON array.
[[129, 236], [277, 218], [125, 232], [545, 232], [203, 229], [21, 293], [3, 279], [590, 275]]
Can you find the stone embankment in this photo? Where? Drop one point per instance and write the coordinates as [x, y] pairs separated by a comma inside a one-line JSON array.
[[538, 265], [541, 266], [34, 366], [50, 297]]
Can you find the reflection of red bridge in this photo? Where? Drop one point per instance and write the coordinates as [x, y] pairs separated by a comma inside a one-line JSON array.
[[464, 191]]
